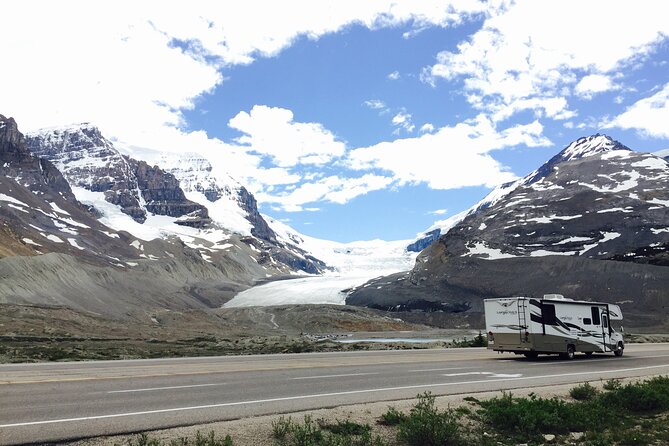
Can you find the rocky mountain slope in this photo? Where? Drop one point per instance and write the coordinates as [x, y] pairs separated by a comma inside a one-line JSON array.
[[591, 223], [179, 187], [96, 256]]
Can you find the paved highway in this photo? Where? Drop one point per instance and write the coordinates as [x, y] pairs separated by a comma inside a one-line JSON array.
[[60, 401]]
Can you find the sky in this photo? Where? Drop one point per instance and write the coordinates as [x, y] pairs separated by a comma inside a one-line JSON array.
[[347, 120]]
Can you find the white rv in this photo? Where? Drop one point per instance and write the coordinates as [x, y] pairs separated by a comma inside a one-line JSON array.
[[552, 325]]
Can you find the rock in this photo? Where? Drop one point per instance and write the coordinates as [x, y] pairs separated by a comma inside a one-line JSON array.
[[549, 438], [576, 436]]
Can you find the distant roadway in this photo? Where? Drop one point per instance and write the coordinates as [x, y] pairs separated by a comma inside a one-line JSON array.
[[61, 401]]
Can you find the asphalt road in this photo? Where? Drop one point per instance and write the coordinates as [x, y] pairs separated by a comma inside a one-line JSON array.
[[60, 401]]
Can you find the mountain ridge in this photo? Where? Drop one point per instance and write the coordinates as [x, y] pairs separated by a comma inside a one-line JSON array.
[[595, 200]]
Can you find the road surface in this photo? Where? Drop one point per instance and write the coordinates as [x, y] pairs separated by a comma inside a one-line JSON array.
[[61, 401]]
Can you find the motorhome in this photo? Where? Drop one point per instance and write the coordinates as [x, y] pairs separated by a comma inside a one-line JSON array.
[[552, 325]]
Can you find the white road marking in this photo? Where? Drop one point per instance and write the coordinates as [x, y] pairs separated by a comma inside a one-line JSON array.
[[335, 376], [489, 374], [319, 395], [441, 370], [149, 389]]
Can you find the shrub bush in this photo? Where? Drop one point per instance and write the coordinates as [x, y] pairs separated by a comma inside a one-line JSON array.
[[427, 426], [583, 392]]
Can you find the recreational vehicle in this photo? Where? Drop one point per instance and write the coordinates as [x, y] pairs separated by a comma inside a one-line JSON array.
[[552, 325]]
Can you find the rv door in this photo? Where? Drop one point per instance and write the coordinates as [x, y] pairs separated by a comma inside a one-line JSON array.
[[606, 331]]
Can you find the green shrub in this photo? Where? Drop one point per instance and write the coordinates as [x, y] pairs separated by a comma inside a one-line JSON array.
[[647, 396], [281, 427], [392, 417], [583, 392], [346, 427], [309, 433], [529, 417], [200, 440], [427, 426], [612, 384]]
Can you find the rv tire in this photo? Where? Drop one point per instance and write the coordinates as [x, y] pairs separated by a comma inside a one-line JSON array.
[[570, 352], [531, 355], [619, 350]]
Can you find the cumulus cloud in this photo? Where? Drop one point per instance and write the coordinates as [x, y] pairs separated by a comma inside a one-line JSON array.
[[649, 116], [332, 189], [375, 104], [395, 75], [402, 120], [271, 131], [592, 84], [427, 128], [525, 57], [452, 157]]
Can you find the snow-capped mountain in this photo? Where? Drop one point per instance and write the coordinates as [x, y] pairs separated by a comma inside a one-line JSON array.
[[596, 198], [229, 203], [588, 224], [91, 162], [163, 195]]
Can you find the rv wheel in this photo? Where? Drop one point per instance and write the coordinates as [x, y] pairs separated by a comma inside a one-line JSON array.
[[531, 355], [619, 351], [570, 352]]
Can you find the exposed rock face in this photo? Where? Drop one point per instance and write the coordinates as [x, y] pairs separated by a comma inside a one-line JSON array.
[[18, 163], [259, 228], [90, 161], [195, 175], [594, 204]]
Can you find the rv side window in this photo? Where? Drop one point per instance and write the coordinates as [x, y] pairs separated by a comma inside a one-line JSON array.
[[595, 316], [605, 322], [587, 321], [548, 314]]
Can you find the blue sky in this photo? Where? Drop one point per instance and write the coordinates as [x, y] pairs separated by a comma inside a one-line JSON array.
[[349, 121]]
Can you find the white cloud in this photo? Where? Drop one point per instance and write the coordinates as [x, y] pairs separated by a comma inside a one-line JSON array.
[[531, 52], [453, 157], [439, 212], [592, 84], [402, 120], [271, 131], [427, 128], [333, 189], [375, 104], [395, 75], [649, 115]]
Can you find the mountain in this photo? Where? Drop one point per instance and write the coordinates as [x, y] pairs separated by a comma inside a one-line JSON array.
[[591, 223], [91, 162], [116, 236], [160, 192]]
